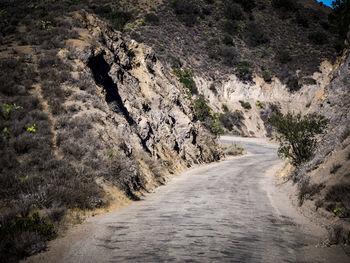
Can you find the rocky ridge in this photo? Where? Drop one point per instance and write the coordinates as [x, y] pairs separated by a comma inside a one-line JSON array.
[[145, 113]]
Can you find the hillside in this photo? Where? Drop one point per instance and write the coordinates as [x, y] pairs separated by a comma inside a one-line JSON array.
[[102, 101], [85, 115]]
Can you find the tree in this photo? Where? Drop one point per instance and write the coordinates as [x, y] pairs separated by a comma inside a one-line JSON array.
[[340, 17], [297, 135], [339, 21]]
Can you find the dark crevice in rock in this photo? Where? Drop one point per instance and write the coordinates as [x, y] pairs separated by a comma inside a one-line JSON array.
[[172, 119], [176, 147], [144, 141], [194, 137], [146, 107], [100, 68], [120, 75]]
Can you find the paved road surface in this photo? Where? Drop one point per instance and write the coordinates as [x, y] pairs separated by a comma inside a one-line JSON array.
[[215, 213]]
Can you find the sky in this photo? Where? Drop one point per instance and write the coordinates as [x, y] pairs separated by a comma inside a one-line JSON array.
[[326, 2]]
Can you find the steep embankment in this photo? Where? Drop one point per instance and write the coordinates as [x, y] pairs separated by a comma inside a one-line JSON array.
[[324, 181], [88, 119]]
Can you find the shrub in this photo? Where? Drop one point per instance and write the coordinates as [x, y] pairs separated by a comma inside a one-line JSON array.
[[339, 193], [185, 76], [260, 104], [293, 85], [267, 76], [297, 135], [318, 38], [307, 190], [31, 227], [339, 19], [231, 27], [256, 34], [117, 18], [216, 127], [152, 19], [227, 40], [201, 108], [245, 105], [283, 57], [233, 11], [227, 55], [187, 11], [244, 72], [233, 150], [225, 120], [338, 234]]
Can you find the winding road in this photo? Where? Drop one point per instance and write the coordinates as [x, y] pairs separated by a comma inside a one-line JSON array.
[[229, 211]]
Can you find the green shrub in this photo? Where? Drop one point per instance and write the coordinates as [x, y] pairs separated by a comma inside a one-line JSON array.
[[297, 135], [185, 76], [233, 150], [203, 112], [201, 109], [260, 104], [267, 76], [244, 72], [245, 105], [7, 108], [35, 227], [225, 120], [216, 127], [340, 212]]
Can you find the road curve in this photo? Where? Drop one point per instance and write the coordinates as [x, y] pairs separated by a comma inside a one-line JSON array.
[[215, 213]]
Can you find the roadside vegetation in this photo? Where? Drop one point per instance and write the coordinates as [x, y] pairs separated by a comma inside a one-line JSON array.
[[297, 135], [234, 150]]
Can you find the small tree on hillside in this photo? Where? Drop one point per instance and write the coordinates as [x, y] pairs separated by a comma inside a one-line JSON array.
[[297, 135]]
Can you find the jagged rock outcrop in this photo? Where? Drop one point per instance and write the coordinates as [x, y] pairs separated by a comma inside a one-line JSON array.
[[146, 109]]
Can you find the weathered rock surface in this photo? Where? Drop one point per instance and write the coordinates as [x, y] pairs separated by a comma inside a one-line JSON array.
[[144, 109]]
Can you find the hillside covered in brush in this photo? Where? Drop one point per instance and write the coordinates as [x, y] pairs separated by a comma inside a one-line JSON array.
[[103, 100]]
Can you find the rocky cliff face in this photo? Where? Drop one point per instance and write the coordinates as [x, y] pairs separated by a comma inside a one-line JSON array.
[[263, 98], [144, 113], [324, 181]]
